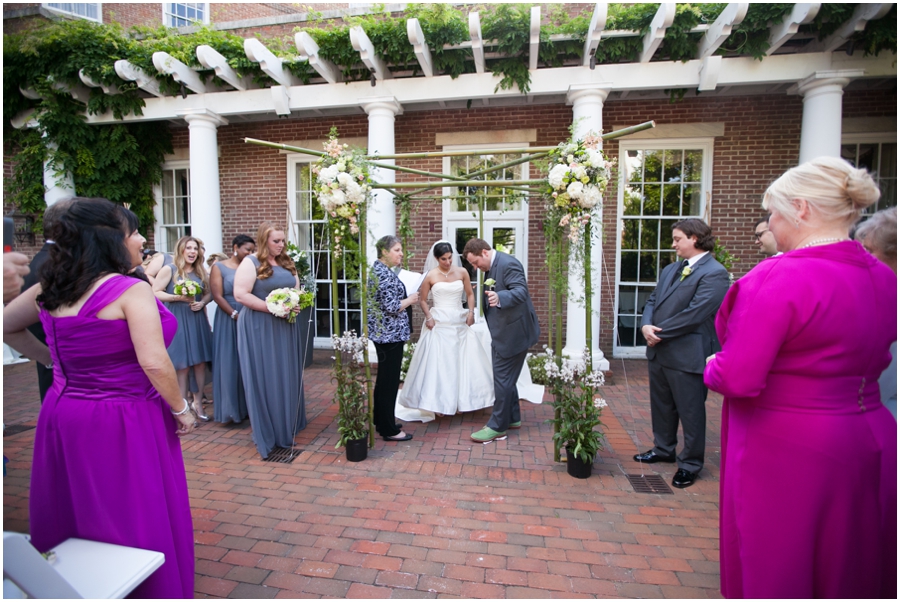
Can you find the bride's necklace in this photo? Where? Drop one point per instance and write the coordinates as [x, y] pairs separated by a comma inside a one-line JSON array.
[[446, 274], [823, 241]]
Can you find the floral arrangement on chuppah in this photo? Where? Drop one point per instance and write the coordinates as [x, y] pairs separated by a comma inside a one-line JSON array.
[[579, 173], [343, 189]]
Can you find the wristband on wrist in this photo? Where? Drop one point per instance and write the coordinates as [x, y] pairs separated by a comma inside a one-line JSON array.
[[234, 313], [187, 408]]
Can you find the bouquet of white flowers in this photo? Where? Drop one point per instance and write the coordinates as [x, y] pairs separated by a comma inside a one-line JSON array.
[[282, 301], [187, 288], [578, 178]]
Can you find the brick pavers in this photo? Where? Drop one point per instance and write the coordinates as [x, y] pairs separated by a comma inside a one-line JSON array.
[[437, 516]]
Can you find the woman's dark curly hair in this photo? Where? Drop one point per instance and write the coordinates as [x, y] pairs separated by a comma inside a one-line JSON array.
[[90, 242], [696, 227]]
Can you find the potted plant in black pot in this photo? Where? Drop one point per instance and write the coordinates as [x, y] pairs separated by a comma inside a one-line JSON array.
[[351, 395], [575, 392]]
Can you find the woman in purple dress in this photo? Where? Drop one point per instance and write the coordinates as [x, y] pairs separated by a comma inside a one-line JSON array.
[[107, 458], [809, 453]]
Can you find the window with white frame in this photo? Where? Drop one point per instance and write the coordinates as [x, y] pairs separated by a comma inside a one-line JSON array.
[[660, 183], [877, 153], [308, 233], [173, 207], [182, 14], [92, 11], [505, 209]]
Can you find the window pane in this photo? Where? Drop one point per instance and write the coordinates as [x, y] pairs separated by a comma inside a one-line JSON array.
[[630, 234], [671, 199], [848, 153], [888, 161], [672, 166], [693, 165], [867, 157], [632, 200], [653, 165], [504, 240], [692, 199], [627, 330], [652, 193], [649, 234], [627, 297], [629, 267], [648, 267]]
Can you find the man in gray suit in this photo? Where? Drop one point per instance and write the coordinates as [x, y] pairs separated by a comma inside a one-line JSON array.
[[678, 324], [514, 328]]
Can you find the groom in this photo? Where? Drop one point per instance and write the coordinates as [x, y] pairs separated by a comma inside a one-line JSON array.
[[514, 328]]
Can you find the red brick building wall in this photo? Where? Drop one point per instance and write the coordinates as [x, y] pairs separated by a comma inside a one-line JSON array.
[[761, 140]]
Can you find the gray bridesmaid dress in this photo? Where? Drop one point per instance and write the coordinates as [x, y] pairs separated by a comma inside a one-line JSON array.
[[228, 386], [192, 344], [271, 354]]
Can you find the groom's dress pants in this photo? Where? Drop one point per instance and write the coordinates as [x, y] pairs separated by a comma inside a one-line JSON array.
[[506, 395]]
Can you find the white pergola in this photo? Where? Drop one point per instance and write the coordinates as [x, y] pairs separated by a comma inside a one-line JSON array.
[[796, 64]]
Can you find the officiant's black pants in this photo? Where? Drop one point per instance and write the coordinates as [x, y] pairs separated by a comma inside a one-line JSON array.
[[390, 360]]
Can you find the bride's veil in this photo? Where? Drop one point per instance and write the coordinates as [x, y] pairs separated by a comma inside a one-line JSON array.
[[431, 261]]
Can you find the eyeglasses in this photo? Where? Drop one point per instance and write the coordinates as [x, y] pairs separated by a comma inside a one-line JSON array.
[[758, 235]]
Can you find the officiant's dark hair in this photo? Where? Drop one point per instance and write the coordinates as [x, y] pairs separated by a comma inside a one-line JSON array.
[[696, 227], [441, 249]]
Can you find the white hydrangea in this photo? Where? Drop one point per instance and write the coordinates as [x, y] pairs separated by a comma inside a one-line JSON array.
[[338, 197], [579, 171], [557, 175], [595, 159], [575, 190], [328, 174], [344, 179], [590, 197], [354, 192]]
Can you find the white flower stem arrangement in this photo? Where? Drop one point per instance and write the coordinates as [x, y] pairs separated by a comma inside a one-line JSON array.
[[351, 392], [302, 263], [282, 302], [187, 288], [575, 388]]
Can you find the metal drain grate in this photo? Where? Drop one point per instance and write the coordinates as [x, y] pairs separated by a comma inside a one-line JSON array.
[[283, 455], [15, 429], [650, 483]]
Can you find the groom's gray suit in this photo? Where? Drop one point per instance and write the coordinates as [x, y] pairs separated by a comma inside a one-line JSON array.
[[685, 309], [514, 328]]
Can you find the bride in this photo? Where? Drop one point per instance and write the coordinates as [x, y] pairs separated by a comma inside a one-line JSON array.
[[450, 370]]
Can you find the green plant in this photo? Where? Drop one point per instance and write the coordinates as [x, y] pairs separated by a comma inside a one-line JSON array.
[[722, 255], [576, 404], [537, 369], [351, 391], [409, 348]]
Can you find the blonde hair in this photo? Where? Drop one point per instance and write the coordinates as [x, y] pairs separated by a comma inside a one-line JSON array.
[[216, 257], [834, 189], [262, 252], [180, 265]]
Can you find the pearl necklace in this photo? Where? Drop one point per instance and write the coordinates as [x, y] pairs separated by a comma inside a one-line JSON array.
[[446, 274], [823, 241]]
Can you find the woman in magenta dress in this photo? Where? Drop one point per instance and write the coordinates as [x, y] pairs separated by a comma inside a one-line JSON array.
[[809, 453], [107, 458]]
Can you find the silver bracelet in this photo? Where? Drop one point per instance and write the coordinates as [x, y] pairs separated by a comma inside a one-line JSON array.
[[187, 408], [234, 312]]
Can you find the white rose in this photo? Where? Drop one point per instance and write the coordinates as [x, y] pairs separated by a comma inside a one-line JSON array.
[[557, 175], [342, 166], [338, 197], [575, 190], [595, 159], [579, 171], [354, 192]]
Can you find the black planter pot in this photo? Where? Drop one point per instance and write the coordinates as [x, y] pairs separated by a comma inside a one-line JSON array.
[[357, 450], [576, 467]]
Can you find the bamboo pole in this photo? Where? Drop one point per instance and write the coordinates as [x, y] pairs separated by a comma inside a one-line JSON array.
[[363, 304], [587, 296], [335, 318], [477, 183]]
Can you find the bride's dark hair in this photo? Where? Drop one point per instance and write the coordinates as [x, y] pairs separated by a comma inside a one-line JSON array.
[[441, 249]]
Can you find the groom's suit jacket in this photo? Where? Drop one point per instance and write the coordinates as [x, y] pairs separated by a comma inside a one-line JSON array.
[[686, 310], [514, 325]]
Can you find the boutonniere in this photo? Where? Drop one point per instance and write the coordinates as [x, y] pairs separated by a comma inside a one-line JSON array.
[[685, 273], [490, 282]]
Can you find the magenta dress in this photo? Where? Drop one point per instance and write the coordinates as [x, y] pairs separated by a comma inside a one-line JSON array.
[[107, 462], [809, 453]]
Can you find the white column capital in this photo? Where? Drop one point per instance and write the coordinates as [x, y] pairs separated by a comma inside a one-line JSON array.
[[193, 116], [383, 105], [588, 92], [820, 81]]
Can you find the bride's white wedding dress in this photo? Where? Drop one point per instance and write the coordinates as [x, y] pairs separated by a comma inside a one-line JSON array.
[[450, 370]]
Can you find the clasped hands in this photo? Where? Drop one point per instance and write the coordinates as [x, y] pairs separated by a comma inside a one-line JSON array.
[[649, 331]]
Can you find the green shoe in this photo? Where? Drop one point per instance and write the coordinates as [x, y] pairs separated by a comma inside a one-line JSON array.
[[487, 434], [515, 425]]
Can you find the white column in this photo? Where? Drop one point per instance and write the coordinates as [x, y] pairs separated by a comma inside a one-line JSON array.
[[820, 133], [587, 116], [381, 219], [57, 185], [206, 204]]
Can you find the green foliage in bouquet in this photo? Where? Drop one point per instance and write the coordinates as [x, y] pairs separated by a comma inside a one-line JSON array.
[[351, 393], [304, 268]]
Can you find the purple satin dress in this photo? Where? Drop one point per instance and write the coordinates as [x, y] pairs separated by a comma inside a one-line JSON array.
[[809, 452], [107, 462]]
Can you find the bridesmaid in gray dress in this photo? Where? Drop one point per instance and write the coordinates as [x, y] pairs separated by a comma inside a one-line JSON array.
[[270, 349], [192, 346], [228, 387]]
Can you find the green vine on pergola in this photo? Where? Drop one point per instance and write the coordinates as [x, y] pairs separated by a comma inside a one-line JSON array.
[[123, 161]]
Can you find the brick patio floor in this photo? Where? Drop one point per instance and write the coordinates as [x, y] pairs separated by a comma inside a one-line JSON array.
[[435, 517]]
